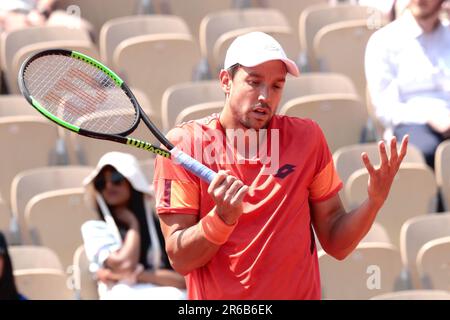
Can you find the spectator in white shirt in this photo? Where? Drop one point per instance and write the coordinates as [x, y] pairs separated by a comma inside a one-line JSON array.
[[408, 75]]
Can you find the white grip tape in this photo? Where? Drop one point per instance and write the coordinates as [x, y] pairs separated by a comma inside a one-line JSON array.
[[193, 165]]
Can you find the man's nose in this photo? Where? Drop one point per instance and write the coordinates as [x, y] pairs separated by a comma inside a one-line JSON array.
[[263, 93]]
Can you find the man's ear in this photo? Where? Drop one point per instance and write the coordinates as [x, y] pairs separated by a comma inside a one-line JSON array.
[[225, 81]]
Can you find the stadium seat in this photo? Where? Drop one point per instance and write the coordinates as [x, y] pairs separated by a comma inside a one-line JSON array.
[[55, 218], [215, 25], [12, 105], [313, 83], [413, 193], [199, 111], [98, 12], [29, 183], [85, 285], [27, 142], [193, 11], [442, 171], [371, 269], [340, 47], [117, 30], [148, 168], [332, 112], [12, 42], [414, 233], [180, 96], [414, 295], [433, 264], [43, 284], [313, 18], [32, 257], [152, 63], [377, 233], [5, 219]]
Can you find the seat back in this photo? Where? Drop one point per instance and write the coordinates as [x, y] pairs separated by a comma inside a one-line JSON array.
[[332, 112], [31, 182], [117, 30], [433, 264], [371, 269], [85, 285], [34, 257], [415, 233], [199, 111], [55, 218], [442, 171], [43, 284]]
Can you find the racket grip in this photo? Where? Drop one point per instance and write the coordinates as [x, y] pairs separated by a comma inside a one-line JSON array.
[[192, 165]]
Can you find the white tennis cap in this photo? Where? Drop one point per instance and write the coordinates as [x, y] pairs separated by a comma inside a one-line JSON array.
[[254, 48]]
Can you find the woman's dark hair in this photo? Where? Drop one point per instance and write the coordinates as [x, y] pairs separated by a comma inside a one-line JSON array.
[[136, 205], [8, 289]]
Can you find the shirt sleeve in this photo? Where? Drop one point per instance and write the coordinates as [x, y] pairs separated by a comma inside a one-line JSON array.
[[99, 243], [326, 182], [176, 189]]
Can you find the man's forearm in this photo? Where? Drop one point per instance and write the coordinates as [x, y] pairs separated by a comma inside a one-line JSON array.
[[349, 228], [188, 249]]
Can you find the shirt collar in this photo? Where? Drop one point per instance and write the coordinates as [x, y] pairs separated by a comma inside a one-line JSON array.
[[412, 28]]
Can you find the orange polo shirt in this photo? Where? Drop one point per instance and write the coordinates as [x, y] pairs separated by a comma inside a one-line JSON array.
[[271, 253]]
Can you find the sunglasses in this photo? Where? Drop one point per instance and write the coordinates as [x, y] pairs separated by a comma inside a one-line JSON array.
[[116, 179]]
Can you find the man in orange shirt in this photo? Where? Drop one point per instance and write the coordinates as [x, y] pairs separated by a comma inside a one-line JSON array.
[[248, 235]]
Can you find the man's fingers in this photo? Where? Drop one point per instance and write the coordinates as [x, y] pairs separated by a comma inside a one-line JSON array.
[[403, 148], [239, 196], [394, 154], [383, 153], [232, 190], [369, 166], [218, 179]]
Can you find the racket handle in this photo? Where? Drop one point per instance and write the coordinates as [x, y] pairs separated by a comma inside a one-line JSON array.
[[192, 165]]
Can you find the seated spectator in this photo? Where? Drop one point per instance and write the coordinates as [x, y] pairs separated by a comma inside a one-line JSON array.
[[126, 248], [408, 76], [8, 289], [17, 14]]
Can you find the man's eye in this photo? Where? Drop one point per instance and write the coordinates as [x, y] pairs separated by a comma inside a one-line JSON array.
[[253, 83]]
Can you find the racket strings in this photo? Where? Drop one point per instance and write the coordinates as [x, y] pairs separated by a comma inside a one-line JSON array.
[[80, 94]]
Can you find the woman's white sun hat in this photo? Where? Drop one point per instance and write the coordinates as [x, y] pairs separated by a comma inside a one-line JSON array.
[[127, 165], [254, 48]]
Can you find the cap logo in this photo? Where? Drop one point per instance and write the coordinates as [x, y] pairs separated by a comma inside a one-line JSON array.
[[271, 47]]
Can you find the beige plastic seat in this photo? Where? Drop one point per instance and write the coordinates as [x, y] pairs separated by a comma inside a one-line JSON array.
[[313, 83], [12, 42], [315, 17], [34, 257], [433, 264], [414, 233], [414, 295], [180, 96], [371, 269], [283, 34], [340, 47], [442, 170], [55, 218], [22, 149], [12, 105], [85, 285], [43, 284], [216, 24], [412, 194], [292, 9], [85, 47], [341, 116], [115, 31], [152, 63], [98, 12], [199, 111], [193, 11], [31, 182], [377, 233], [348, 159]]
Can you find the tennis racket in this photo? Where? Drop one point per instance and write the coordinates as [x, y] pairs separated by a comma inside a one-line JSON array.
[[82, 95]]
